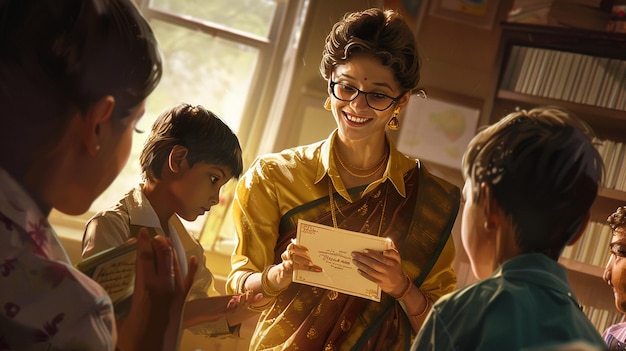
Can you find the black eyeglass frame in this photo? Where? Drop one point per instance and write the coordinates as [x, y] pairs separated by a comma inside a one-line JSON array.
[[365, 93]]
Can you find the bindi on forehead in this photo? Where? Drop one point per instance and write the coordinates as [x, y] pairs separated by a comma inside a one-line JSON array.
[[365, 78]]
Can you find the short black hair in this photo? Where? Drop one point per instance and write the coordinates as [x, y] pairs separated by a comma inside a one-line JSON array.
[[206, 137]]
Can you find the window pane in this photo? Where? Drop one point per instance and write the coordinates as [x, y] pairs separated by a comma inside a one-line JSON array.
[[251, 16], [203, 70]]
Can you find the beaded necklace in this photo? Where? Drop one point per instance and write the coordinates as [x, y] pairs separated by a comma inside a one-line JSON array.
[[347, 167]]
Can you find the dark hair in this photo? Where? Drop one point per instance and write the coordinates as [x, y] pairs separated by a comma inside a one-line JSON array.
[[384, 34], [206, 137], [617, 219], [59, 56], [544, 171]]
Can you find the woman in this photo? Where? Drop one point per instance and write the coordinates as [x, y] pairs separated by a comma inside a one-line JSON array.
[[356, 180], [74, 76], [615, 276]]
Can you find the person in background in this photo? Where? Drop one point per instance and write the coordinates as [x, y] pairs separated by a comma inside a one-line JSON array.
[[187, 158], [74, 77], [530, 181], [355, 180], [615, 276]]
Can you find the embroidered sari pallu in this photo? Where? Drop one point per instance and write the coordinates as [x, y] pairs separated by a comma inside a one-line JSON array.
[[310, 318]]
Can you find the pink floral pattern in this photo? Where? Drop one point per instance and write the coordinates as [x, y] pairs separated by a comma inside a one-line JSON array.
[[45, 303]]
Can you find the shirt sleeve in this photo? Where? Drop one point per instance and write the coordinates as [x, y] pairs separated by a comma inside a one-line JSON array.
[[441, 279], [256, 216], [104, 231]]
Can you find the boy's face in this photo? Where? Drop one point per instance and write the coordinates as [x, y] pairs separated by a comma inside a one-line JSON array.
[[616, 268], [479, 249], [197, 189]]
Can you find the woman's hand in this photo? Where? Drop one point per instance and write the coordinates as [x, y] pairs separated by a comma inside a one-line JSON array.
[[383, 268], [294, 257]]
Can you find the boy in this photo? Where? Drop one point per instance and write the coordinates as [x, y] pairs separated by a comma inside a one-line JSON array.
[[188, 156], [530, 180]]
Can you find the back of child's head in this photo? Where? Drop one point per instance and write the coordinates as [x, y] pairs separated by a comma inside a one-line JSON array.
[[206, 137], [543, 170]]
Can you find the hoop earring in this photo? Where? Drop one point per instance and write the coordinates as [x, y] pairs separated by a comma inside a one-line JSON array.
[[327, 104], [393, 123]]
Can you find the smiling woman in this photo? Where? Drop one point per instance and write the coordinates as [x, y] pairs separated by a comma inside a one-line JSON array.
[[355, 179]]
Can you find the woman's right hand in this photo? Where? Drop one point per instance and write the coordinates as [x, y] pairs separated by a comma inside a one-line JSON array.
[[294, 257]]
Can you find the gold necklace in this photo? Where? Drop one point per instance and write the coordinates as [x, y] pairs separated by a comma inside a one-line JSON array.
[[334, 205], [376, 167]]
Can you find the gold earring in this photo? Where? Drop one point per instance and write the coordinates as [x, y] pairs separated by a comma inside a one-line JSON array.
[[97, 147], [327, 104], [394, 124]]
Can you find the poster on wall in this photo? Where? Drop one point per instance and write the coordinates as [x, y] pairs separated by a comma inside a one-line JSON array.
[[437, 130]]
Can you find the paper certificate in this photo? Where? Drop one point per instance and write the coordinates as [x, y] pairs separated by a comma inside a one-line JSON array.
[[331, 248]]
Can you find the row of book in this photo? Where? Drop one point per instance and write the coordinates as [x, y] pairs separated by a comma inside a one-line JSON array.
[[613, 155], [567, 76], [593, 247], [602, 318]]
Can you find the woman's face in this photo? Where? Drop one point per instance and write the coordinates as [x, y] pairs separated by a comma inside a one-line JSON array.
[[355, 119], [616, 268]]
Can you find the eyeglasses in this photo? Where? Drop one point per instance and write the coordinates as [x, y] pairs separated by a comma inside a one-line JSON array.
[[377, 101]]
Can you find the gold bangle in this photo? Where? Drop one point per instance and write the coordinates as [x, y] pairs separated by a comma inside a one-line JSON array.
[[242, 282], [405, 290], [426, 308], [266, 287]]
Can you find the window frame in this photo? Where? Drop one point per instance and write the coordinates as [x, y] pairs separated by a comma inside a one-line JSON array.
[[255, 114]]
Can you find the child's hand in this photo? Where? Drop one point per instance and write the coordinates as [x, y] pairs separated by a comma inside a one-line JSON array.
[[238, 302], [237, 310]]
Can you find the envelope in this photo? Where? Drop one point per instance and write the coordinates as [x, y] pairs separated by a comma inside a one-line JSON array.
[[331, 248]]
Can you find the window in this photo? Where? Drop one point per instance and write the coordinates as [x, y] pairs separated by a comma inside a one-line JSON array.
[[221, 54]]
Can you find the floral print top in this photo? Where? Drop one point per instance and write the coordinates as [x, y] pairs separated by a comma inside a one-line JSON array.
[[45, 303]]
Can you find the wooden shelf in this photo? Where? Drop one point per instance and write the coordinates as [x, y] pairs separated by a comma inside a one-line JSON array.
[[590, 42], [573, 265], [606, 203], [581, 109], [602, 120], [592, 290]]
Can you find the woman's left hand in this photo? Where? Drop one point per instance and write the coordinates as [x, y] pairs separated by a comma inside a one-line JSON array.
[[383, 268]]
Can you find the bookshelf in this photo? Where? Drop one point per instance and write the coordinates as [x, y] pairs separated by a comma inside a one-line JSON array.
[[583, 71]]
